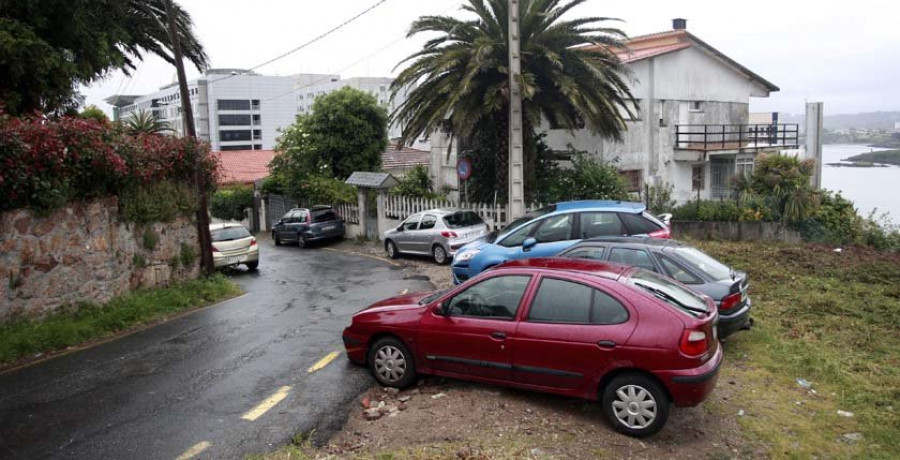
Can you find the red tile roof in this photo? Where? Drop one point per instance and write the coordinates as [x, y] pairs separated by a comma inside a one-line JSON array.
[[244, 166], [406, 157]]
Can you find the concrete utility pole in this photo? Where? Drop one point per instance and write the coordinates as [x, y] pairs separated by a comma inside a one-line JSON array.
[[187, 117], [516, 207], [814, 124]]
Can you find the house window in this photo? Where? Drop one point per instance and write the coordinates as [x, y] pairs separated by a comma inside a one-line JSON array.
[[633, 180], [257, 146], [662, 114], [237, 135], [697, 178], [226, 148], [233, 104], [744, 166], [255, 104], [234, 120], [256, 120], [257, 134], [696, 106]]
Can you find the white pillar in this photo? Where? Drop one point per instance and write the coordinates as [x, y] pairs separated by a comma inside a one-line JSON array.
[[516, 156], [814, 127]]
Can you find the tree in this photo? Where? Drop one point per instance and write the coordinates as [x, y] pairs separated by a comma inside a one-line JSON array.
[[92, 112], [346, 132], [144, 122], [49, 48], [460, 79]]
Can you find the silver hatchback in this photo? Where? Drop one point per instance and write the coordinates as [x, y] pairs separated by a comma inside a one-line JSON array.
[[438, 233]]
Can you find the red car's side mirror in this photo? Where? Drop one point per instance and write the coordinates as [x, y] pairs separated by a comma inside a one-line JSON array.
[[438, 310]]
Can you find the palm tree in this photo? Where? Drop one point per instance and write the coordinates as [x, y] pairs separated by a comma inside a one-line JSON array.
[[147, 21], [571, 76], [144, 122]]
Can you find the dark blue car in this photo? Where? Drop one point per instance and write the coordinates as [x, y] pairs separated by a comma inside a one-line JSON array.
[[547, 231]]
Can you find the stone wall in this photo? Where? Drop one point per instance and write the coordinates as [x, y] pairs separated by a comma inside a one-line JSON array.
[[84, 253], [736, 231]]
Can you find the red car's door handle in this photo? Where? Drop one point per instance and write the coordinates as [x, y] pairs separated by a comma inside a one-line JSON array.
[[606, 344], [498, 335]]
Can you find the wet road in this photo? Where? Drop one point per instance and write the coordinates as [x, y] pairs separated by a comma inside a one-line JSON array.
[[225, 381]]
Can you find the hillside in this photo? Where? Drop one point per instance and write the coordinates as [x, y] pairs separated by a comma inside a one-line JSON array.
[[888, 157]]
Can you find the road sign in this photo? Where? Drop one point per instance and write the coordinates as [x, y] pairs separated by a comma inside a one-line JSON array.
[[464, 169]]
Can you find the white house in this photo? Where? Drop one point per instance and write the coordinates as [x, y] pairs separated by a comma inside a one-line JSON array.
[[693, 130], [234, 109]]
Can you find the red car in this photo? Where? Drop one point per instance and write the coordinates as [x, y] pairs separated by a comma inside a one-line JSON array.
[[633, 339]]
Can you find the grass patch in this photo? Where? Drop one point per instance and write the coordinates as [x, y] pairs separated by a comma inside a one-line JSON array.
[[832, 319], [23, 337]]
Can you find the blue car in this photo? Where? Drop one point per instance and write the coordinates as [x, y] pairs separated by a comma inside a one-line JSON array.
[[547, 231]]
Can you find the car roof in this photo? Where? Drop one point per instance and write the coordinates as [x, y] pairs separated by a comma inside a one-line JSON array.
[[633, 240], [606, 205], [442, 211], [224, 225], [318, 207], [606, 270]]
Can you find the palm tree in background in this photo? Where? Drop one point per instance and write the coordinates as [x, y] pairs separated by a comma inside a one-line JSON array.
[[571, 76], [148, 22], [144, 122]]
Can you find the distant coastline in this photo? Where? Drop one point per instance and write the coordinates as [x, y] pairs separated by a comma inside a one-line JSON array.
[[872, 159]]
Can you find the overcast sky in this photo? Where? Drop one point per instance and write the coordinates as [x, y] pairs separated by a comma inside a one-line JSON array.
[[845, 54]]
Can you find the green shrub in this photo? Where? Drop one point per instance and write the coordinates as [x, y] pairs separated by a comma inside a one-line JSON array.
[[149, 239], [229, 203], [877, 232], [188, 255], [139, 260], [160, 202], [588, 179], [417, 183]]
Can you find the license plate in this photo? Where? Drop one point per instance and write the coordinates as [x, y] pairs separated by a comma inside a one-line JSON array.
[[233, 260]]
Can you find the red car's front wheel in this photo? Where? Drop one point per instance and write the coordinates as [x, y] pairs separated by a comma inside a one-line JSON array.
[[391, 363]]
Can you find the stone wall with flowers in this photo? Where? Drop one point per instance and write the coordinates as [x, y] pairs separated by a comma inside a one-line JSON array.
[[84, 252]]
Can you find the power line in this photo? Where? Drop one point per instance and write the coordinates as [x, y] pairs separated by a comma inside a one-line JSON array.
[[310, 42]]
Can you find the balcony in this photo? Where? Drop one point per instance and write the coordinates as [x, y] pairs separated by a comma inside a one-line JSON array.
[[711, 138]]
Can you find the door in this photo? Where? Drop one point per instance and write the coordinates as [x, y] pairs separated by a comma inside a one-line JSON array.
[[722, 170], [593, 224], [569, 334], [472, 336], [282, 228], [553, 234], [422, 235], [406, 239]]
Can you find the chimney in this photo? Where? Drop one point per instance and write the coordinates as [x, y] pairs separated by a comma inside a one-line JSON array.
[[679, 24]]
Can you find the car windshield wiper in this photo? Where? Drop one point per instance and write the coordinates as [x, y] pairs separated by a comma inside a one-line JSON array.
[[669, 297]]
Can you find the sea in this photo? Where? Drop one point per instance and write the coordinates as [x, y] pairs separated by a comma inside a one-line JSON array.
[[869, 188]]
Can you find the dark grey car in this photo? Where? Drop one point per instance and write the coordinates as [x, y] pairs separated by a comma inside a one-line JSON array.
[[683, 263], [304, 226]]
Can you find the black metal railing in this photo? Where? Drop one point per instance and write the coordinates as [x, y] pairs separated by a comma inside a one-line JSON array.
[[736, 137]]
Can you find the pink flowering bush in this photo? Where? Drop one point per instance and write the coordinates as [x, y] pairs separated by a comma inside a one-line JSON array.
[[47, 163]]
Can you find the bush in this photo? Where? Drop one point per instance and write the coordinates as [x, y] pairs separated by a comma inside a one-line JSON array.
[[188, 255], [161, 202], [47, 163], [588, 179], [417, 183], [230, 203]]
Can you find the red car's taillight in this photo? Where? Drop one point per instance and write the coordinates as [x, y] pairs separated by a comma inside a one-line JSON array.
[[663, 233], [730, 301], [214, 248], [693, 343], [252, 241], [446, 234]]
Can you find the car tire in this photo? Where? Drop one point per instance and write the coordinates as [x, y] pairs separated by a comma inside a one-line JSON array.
[[439, 254], [391, 249], [252, 265], [391, 363], [635, 405], [276, 238]]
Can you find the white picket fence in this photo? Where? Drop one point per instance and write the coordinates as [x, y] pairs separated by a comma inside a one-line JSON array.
[[400, 207], [350, 212]]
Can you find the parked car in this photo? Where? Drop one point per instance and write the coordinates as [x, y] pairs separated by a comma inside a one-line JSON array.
[[438, 233], [628, 337], [686, 264], [546, 231], [304, 226], [232, 244]]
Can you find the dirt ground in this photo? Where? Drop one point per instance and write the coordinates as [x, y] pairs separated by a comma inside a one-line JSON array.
[[443, 418]]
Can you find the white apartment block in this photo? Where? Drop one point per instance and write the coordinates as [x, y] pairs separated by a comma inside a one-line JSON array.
[[234, 109]]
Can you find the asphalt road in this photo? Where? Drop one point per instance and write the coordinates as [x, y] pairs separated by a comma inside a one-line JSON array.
[[225, 381]]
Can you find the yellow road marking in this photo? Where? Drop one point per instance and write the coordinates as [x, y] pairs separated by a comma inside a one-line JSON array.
[[267, 404], [363, 255], [194, 451], [323, 362]]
